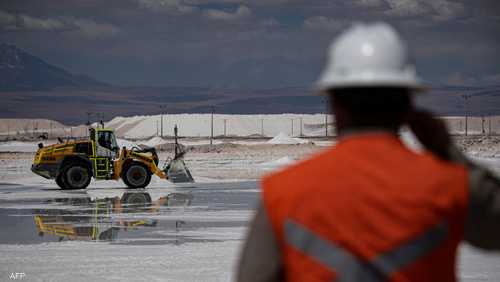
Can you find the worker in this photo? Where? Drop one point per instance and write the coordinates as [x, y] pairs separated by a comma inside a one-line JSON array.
[[370, 208]]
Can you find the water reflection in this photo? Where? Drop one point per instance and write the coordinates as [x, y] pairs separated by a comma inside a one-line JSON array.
[[101, 218]]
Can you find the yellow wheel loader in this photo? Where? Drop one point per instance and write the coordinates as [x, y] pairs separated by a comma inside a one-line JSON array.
[[73, 163]]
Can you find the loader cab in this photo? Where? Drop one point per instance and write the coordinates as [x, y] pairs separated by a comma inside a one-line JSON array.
[[105, 143]]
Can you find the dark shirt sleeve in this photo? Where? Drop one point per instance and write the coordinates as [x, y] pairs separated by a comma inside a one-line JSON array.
[[260, 259], [482, 225]]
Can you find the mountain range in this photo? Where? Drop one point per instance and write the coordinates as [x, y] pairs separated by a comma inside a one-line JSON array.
[[33, 88], [20, 71]]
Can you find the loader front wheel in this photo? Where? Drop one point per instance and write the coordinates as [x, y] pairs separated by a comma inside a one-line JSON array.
[[76, 176], [60, 181], [136, 175]]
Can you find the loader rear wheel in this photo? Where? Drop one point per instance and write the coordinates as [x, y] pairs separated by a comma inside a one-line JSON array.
[[136, 175], [76, 176]]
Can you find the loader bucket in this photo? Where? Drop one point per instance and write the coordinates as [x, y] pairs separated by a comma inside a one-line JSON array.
[[177, 172]]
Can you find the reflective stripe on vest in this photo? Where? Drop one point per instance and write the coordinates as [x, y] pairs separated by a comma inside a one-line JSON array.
[[350, 268]]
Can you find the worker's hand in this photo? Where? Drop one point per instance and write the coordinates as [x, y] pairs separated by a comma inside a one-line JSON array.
[[431, 132]]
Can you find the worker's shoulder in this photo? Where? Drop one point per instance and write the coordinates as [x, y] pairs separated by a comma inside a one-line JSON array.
[[432, 163], [314, 164], [433, 172]]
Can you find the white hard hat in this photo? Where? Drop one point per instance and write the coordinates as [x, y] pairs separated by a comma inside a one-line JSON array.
[[368, 56]]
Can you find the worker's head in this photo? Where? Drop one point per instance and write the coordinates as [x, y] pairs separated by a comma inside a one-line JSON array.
[[369, 78], [371, 107]]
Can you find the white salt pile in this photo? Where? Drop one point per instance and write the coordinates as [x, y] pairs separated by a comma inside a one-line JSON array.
[[282, 138], [155, 141]]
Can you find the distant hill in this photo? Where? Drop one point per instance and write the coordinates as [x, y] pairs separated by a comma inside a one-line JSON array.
[[22, 71], [70, 105], [32, 88]]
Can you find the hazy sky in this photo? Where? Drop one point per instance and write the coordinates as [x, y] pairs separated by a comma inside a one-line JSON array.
[[246, 43]]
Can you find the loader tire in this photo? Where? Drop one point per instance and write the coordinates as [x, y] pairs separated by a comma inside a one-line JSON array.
[[136, 199], [136, 175], [60, 181], [76, 176]]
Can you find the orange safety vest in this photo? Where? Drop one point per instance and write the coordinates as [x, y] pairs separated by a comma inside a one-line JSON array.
[[368, 209]]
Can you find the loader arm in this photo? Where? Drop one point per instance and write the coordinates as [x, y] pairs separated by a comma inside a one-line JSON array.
[[175, 170]]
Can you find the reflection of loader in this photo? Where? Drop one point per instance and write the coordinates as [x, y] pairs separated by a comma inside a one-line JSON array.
[[73, 164], [99, 223], [67, 227]]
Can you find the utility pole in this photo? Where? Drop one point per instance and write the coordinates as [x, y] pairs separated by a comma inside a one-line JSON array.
[[301, 127], [489, 124], [157, 129], [262, 126], [35, 129], [466, 120], [87, 133], [326, 119], [162, 107], [292, 127], [176, 145], [465, 96], [225, 121], [212, 127], [482, 125], [50, 129]]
